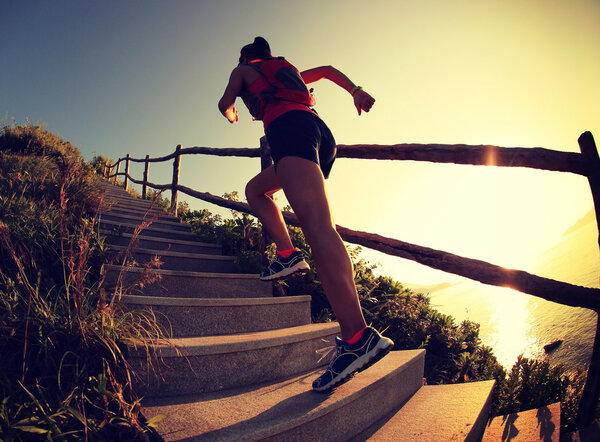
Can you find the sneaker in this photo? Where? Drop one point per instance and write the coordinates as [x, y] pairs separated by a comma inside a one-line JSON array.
[[282, 268], [353, 358]]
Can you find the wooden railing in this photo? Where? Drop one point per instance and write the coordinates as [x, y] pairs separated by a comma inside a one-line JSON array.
[[586, 163]]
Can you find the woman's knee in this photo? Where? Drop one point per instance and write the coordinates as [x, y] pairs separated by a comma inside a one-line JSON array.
[[262, 185]]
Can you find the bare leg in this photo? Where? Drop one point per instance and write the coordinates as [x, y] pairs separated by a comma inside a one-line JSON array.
[[304, 187], [258, 192]]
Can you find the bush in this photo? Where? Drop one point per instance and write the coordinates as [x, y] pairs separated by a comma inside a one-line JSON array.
[[533, 384]]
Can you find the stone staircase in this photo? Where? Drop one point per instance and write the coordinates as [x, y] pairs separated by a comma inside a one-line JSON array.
[[241, 362]]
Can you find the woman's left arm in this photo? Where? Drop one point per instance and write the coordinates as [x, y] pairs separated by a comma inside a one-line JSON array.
[[232, 91]]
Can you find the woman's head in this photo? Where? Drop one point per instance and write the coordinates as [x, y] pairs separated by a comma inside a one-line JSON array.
[[259, 48]]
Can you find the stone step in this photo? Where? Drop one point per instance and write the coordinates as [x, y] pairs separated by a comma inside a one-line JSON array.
[[135, 218], [150, 220], [181, 284], [131, 202], [289, 409], [133, 207], [541, 424], [164, 216], [191, 262], [213, 363], [160, 244], [116, 228], [186, 317], [437, 413]]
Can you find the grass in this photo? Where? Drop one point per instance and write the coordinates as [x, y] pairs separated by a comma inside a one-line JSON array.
[[63, 337]]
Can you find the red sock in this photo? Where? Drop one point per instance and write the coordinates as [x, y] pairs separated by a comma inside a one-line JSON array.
[[356, 337], [286, 253]]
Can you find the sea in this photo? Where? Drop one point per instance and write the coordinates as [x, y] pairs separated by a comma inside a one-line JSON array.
[[515, 324]]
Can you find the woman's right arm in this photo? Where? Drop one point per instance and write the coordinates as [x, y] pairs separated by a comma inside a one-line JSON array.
[[362, 100]]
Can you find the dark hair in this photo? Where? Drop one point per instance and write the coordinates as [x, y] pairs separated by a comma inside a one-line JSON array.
[[257, 49]]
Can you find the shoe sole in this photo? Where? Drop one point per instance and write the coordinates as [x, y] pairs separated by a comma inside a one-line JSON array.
[[299, 269], [357, 366]]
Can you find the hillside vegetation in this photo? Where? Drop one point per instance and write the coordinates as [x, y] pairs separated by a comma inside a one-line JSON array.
[[63, 375]]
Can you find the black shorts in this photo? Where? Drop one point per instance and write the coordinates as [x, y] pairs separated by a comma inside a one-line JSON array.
[[302, 134]]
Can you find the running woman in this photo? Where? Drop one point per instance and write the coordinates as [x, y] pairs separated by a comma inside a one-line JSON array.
[[303, 151]]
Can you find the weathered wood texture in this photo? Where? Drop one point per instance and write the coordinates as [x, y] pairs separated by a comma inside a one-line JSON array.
[[175, 182], [591, 390], [536, 157], [144, 184], [482, 155], [127, 160]]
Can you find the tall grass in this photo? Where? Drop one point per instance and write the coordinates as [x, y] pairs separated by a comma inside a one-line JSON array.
[[63, 337]]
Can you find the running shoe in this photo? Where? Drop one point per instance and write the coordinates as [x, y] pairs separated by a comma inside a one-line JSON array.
[[353, 358], [282, 268]]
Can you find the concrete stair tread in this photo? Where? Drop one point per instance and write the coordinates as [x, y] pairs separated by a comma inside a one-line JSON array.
[[206, 345], [438, 413], [272, 410], [149, 228], [166, 220], [167, 240], [531, 425], [211, 302], [214, 363], [188, 283], [163, 272], [183, 317], [174, 254]]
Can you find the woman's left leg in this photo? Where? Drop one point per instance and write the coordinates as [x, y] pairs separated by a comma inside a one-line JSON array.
[[258, 194]]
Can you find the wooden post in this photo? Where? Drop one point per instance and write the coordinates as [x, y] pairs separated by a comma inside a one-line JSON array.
[[145, 185], [591, 391], [126, 171], [117, 173], [174, 196]]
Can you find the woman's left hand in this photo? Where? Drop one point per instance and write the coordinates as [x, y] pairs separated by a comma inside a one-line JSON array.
[[363, 101]]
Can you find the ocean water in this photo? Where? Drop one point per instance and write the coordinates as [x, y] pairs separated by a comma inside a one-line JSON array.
[[514, 323]]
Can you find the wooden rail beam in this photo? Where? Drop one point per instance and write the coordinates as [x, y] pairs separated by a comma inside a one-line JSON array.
[[482, 155]]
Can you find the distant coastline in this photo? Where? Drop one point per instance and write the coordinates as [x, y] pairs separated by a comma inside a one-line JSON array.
[[513, 323]]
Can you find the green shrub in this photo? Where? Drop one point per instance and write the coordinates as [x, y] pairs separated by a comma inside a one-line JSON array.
[[533, 384]]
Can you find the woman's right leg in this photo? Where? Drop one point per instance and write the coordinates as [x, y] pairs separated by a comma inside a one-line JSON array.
[[258, 194]]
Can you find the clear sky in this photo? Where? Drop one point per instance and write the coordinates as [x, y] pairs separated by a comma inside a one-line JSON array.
[[140, 77]]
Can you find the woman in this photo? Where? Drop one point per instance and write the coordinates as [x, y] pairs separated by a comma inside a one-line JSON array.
[[303, 151]]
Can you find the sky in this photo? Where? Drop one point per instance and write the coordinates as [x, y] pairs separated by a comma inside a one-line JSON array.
[[140, 77]]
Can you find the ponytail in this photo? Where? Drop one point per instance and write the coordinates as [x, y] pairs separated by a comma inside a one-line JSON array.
[[259, 48]]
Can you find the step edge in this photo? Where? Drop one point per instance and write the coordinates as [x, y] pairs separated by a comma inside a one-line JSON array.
[[212, 302], [166, 240], [185, 273], [162, 219], [150, 227], [172, 254], [240, 342]]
